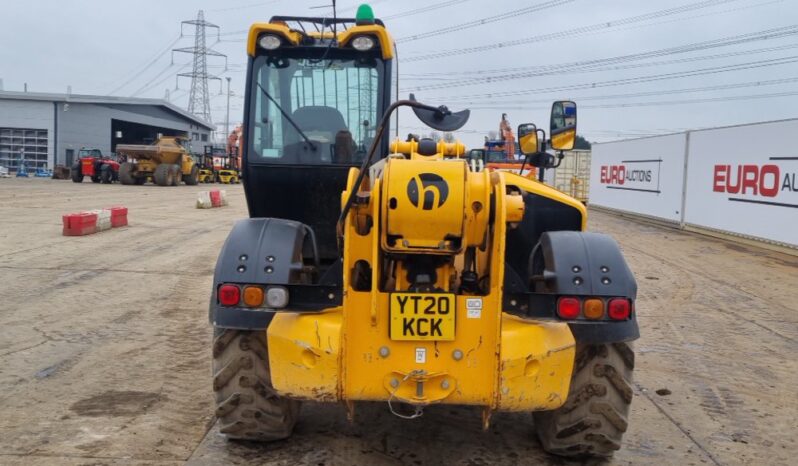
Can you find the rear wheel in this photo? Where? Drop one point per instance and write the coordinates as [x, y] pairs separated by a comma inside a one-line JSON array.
[[247, 406], [76, 174], [177, 174], [162, 175], [192, 178], [126, 174], [594, 418], [106, 174]]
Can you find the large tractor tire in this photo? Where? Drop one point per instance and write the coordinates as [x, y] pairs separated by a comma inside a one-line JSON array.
[[76, 174], [177, 175], [247, 406], [163, 175], [106, 174], [126, 174], [192, 178], [593, 420]]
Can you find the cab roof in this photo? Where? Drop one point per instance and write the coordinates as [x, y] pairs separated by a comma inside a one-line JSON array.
[[312, 31]]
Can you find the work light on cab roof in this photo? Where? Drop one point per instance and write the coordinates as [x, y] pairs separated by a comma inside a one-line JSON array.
[[363, 43], [270, 42]]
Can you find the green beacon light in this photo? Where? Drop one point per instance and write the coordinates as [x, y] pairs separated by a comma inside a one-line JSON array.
[[365, 15]]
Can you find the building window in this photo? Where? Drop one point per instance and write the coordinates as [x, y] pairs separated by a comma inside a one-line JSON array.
[[204, 137], [19, 143], [195, 136]]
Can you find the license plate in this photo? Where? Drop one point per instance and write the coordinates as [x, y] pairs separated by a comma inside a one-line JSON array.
[[422, 316]]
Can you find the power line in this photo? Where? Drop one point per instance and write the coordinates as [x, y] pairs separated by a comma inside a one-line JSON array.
[[693, 101], [660, 103], [183, 67], [488, 20], [146, 85], [636, 133], [246, 31], [425, 9], [634, 80], [355, 6], [161, 81], [598, 27], [145, 67], [456, 82], [634, 65], [719, 87], [399, 15], [596, 64], [242, 7], [589, 68]]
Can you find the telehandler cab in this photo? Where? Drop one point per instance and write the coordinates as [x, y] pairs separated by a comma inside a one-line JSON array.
[[378, 271]]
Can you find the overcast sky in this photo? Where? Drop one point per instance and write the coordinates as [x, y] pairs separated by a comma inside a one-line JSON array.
[[616, 58]]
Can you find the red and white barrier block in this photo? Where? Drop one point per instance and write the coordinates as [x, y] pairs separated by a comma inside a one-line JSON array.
[[212, 198], [118, 216], [87, 223], [79, 224], [103, 219]]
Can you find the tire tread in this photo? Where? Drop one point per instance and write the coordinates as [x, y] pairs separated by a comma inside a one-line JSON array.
[[247, 406], [593, 420]]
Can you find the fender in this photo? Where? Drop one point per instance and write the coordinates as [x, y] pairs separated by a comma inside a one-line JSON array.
[[575, 263], [267, 251]]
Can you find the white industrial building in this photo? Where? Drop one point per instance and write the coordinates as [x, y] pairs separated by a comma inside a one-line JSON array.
[[48, 129]]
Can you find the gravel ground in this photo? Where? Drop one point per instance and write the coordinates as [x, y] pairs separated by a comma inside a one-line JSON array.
[[105, 349]]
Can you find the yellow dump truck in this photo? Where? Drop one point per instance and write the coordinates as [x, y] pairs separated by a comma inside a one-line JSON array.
[[167, 161]]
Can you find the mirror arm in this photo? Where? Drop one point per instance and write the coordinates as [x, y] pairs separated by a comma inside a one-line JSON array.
[[521, 172], [560, 156], [542, 140], [538, 150]]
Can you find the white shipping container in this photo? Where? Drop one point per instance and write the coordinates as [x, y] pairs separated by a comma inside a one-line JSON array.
[[736, 180], [642, 176], [573, 175], [744, 180]]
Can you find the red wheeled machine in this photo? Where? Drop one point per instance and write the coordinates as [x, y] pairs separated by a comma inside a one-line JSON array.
[[93, 164]]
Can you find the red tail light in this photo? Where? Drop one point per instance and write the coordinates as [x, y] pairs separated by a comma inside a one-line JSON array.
[[229, 295], [619, 309], [568, 308]]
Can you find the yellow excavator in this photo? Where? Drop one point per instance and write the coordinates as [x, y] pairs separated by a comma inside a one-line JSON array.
[[371, 270]]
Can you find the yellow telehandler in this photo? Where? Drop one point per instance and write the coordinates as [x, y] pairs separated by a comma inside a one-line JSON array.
[[372, 270]]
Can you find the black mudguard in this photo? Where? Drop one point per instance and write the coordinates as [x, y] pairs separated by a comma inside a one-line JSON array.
[[595, 259], [257, 251], [577, 263]]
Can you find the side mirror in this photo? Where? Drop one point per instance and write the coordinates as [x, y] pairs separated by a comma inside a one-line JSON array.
[[563, 125], [528, 138]]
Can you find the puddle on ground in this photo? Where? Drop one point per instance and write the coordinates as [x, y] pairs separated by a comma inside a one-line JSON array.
[[116, 403]]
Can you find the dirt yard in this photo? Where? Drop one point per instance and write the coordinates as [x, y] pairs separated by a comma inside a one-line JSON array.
[[105, 349]]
